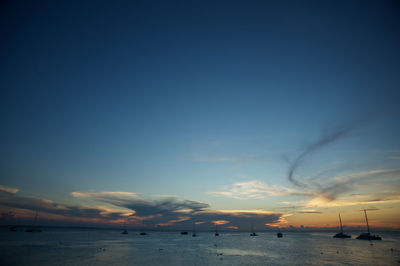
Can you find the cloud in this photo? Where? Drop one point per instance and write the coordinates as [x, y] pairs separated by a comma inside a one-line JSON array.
[[240, 159], [242, 219], [24, 206], [104, 194], [144, 207], [181, 213], [353, 201], [332, 187], [8, 190], [166, 211], [255, 189], [319, 144], [310, 211], [331, 191]]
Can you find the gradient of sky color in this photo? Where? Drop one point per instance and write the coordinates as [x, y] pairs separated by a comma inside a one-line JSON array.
[[206, 101]]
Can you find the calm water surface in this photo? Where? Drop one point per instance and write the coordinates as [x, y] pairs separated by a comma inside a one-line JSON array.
[[110, 247]]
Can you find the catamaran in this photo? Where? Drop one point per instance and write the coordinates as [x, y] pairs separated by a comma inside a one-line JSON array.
[[368, 236], [341, 234]]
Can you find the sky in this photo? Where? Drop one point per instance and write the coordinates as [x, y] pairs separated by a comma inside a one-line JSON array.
[[271, 113]]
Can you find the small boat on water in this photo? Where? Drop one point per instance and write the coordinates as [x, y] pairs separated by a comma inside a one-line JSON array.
[[124, 232], [194, 230], [279, 234], [252, 231], [184, 233], [34, 228], [143, 233], [216, 231], [341, 234], [368, 236]]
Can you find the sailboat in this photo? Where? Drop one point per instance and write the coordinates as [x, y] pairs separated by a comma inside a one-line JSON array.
[[124, 232], [34, 228], [194, 230], [368, 236], [216, 231], [143, 233], [252, 231], [279, 234], [341, 234]]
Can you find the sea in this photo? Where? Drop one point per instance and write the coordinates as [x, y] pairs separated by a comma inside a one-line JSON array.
[[77, 246]]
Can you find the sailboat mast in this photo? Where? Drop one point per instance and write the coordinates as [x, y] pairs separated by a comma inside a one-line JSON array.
[[36, 216], [341, 226], [366, 219]]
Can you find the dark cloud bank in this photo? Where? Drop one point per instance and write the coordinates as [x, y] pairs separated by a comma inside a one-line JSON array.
[[166, 213]]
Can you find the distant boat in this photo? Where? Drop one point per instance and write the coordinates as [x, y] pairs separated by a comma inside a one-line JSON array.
[[184, 233], [194, 230], [368, 236], [279, 234], [216, 231], [341, 234], [13, 228], [124, 232], [143, 233], [34, 228], [252, 231]]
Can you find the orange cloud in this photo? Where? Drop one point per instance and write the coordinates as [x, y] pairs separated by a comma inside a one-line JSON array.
[[220, 222], [232, 227], [9, 190]]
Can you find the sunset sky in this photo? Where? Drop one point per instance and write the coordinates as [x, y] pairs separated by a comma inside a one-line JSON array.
[[272, 113]]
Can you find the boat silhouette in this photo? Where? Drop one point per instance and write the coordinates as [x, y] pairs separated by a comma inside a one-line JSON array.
[[194, 230], [143, 233], [252, 231], [34, 228], [279, 234], [124, 232], [341, 234], [368, 236], [216, 231]]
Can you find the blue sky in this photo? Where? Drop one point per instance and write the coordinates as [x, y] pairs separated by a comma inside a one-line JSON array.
[[188, 98]]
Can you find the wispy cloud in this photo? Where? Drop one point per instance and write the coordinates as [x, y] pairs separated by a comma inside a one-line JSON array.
[[353, 201], [104, 195], [314, 147], [331, 188], [8, 190], [254, 189], [310, 211], [325, 192], [240, 159]]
